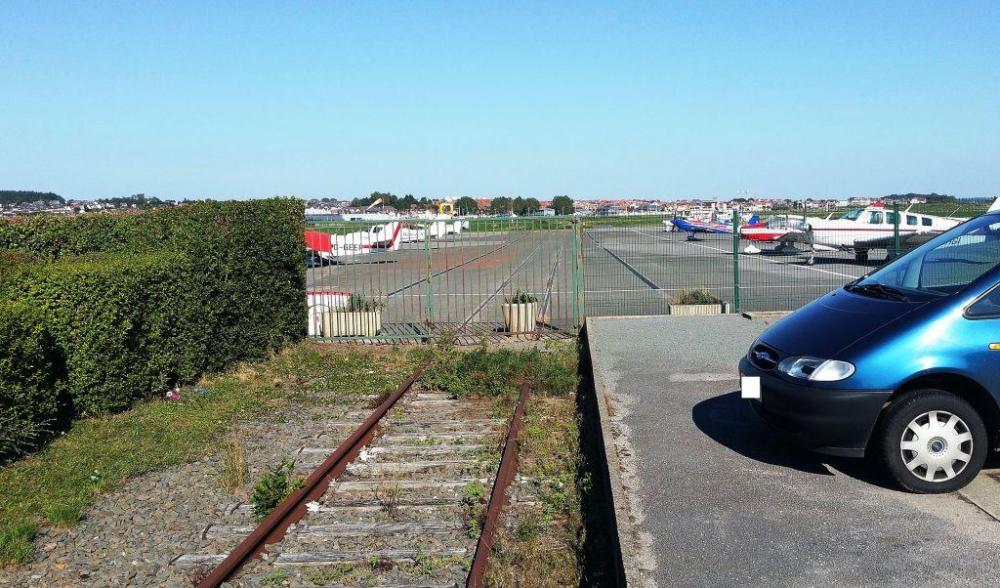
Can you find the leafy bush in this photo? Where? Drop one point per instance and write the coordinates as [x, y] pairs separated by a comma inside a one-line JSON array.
[[273, 487], [30, 379], [520, 297], [699, 296]]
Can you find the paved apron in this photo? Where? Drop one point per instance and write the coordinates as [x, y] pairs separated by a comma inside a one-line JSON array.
[[717, 500]]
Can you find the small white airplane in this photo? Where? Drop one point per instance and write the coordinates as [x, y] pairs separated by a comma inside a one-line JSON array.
[[375, 239], [859, 230]]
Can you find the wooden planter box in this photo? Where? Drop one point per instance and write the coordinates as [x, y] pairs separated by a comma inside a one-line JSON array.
[[519, 318], [694, 309], [352, 324]]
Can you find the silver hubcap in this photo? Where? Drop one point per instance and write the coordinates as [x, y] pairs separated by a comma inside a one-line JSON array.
[[936, 446]]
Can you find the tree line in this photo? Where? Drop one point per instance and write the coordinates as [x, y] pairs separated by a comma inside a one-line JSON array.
[[26, 196], [932, 198], [466, 205], [137, 200]]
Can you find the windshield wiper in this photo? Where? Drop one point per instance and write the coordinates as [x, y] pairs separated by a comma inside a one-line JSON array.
[[879, 291]]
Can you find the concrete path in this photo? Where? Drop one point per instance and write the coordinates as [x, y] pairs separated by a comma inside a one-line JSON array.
[[706, 496]]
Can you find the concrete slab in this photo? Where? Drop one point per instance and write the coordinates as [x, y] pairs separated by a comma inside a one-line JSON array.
[[707, 496]]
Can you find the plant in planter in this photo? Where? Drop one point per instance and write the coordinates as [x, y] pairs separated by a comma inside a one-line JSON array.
[[695, 302], [519, 312], [360, 317]]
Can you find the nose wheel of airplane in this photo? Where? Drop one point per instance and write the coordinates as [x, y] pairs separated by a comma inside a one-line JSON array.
[[861, 255], [811, 260]]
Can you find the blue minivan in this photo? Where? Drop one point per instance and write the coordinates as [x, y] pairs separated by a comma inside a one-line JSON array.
[[901, 366]]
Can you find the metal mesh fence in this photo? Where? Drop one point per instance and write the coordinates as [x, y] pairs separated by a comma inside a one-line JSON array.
[[449, 276], [455, 276]]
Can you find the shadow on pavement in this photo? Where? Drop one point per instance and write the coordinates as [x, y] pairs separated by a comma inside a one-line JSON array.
[[728, 420]]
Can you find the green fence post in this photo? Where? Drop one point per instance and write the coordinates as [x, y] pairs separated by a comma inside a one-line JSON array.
[[430, 274], [736, 261], [578, 276], [895, 228]]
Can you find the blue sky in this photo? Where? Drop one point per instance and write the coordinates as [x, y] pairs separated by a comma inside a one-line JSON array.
[[661, 100]]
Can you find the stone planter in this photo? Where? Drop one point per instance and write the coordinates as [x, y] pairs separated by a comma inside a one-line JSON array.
[[352, 324], [519, 318], [694, 309]]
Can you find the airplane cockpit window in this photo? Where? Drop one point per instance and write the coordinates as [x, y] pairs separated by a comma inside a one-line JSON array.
[[852, 214], [911, 219], [875, 218]]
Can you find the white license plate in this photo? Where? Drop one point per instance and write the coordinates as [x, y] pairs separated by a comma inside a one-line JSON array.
[[750, 387]]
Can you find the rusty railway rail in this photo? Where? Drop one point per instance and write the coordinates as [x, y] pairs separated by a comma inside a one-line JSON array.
[[498, 497], [293, 508], [273, 528]]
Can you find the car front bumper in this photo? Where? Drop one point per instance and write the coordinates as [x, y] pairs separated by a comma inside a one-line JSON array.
[[831, 421]]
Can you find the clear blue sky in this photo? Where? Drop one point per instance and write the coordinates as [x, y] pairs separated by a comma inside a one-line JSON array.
[[241, 99]]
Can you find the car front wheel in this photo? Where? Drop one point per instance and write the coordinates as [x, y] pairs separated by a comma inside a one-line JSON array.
[[932, 441]]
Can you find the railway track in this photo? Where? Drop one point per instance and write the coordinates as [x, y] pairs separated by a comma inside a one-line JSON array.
[[409, 497]]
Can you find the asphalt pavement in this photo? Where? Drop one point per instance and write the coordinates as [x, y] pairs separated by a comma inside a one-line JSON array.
[[708, 496]]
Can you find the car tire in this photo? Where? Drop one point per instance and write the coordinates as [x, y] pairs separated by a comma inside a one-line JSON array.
[[909, 445]]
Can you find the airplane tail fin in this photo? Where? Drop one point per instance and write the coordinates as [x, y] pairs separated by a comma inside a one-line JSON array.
[[995, 206], [318, 241], [753, 220]]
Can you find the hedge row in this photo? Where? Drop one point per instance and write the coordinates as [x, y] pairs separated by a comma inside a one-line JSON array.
[[30, 378], [167, 296]]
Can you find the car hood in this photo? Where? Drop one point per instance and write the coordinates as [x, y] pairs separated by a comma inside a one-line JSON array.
[[826, 326]]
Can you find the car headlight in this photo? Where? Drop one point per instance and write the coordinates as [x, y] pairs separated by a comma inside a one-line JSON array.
[[816, 369]]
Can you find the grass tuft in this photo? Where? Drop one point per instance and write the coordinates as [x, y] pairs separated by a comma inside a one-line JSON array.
[[15, 543], [234, 464], [64, 515]]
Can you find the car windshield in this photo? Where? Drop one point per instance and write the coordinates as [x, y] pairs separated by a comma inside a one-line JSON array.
[[942, 266]]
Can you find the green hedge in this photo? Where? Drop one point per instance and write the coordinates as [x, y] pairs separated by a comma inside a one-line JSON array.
[[30, 379], [128, 325], [164, 297]]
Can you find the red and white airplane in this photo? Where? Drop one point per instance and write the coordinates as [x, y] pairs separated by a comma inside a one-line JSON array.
[[859, 230], [385, 237]]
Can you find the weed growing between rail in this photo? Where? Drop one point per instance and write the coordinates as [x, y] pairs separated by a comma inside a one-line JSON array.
[[273, 487], [56, 485]]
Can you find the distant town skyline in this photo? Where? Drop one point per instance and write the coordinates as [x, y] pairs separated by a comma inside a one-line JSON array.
[[593, 99], [750, 195]]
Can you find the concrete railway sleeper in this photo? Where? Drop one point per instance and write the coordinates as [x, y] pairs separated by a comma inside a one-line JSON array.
[[411, 497]]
